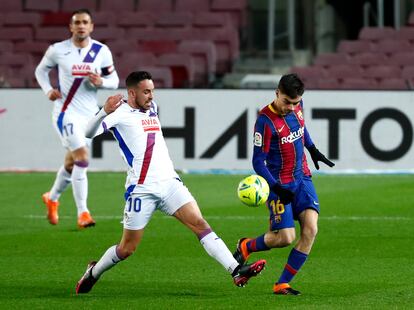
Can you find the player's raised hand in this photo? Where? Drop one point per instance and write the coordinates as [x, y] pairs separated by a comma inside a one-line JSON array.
[[112, 103], [54, 94], [318, 156], [95, 79]]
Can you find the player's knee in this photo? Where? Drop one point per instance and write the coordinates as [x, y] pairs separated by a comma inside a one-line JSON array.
[[287, 239], [310, 232]]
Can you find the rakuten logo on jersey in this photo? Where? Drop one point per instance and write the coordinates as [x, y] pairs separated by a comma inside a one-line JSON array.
[[293, 136], [81, 70], [150, 124]]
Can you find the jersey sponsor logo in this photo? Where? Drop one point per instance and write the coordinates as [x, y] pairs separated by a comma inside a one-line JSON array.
[[281, 128], [81, 69], [150, 124], [293, 136], [258, 140]]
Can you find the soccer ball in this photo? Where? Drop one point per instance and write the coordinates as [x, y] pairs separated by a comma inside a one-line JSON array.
[[253, 190]]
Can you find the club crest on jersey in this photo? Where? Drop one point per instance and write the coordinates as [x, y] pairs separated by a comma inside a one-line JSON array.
[[293, 136], [150, 124], [258, 139], [81, 69], [92, 54], [300, 115]]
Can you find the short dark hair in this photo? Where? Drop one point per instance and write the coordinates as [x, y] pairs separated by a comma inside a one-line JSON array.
[[291, 85], [81, 11], [135, 77]]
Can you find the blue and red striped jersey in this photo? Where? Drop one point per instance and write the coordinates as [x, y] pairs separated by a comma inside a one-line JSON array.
[[279, 142]]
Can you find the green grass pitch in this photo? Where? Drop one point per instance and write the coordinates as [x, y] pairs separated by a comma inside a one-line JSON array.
[[363, 257]]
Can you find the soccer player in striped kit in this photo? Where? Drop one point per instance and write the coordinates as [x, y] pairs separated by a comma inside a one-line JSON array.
[[280, 138], [84, 65], [152, 183]]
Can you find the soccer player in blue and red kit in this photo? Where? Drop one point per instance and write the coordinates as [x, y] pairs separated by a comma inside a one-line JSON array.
[[280, 139]]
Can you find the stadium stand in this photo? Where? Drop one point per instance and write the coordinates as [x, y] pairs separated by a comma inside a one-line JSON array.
[[170, 27]]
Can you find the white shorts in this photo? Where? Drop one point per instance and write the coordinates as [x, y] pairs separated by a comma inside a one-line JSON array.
[[167, 196], [71, 131]]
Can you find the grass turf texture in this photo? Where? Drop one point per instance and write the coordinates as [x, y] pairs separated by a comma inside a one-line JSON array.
[[362, 258]]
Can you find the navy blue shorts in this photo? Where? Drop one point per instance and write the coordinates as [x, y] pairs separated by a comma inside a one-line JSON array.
[[283, 216]]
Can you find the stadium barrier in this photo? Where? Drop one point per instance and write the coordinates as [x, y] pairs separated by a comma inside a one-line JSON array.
[[212, 130]]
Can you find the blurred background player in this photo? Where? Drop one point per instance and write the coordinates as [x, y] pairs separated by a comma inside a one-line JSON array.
[[279, 140], [84, 65], [152, 182]]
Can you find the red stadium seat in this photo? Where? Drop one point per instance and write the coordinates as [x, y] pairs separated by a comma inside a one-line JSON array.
[[401, 59], [368, 59], [209, 19], [158, 47], [116, 6], [162, 76], [194, 6], [393, 84], [182, 68], [73, 5], [327, 84], [377, 33], [104, 19], [33, 47], [311, 72], [135, 19], [15, 59], [21, 19], [44, 5], [108, 33], [355, 46], [6, 46], [16, 33], [156, 6], [408, 72], [405, 33], [174, 19], [52, 34], [411, 19], [382, 71], [359, 84], [330, 59], [56, 19], [202, 49], [11, 6], [130, 61], [344, 71], [389, 46], [120, 46], [237, 9]]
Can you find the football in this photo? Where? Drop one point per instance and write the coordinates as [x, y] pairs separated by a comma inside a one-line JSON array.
[[253, 190]]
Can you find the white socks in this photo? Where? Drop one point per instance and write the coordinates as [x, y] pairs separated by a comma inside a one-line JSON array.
[[107, 261], [62, 181], [80, 185], [217, 249]]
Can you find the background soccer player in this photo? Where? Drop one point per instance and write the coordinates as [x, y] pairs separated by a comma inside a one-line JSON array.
[[279, 140], [84, 65], [152, 183]]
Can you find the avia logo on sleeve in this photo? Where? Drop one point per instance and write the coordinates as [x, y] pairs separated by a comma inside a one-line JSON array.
[[293, 136], [150, 124], [81, 69]]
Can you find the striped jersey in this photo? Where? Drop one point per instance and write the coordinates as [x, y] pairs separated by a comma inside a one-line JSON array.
[[279, 142], [73, 65], [141, 144]]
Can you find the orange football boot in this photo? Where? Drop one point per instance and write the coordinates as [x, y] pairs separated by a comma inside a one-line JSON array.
[[85, 220], [242, 253], [284, 289], [52, 208]]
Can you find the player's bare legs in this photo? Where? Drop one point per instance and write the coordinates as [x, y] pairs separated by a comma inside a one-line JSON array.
[[190, 215]]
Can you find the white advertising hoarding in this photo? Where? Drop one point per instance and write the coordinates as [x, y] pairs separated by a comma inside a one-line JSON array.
[[206, 130]]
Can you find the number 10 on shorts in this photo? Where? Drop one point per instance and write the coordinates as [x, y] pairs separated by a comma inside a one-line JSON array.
[[134, 204]]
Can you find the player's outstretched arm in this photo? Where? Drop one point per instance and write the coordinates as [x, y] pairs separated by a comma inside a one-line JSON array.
[[111, 104], [318, 156]]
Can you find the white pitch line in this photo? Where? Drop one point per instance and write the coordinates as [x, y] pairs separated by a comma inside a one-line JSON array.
[[252, 217]]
